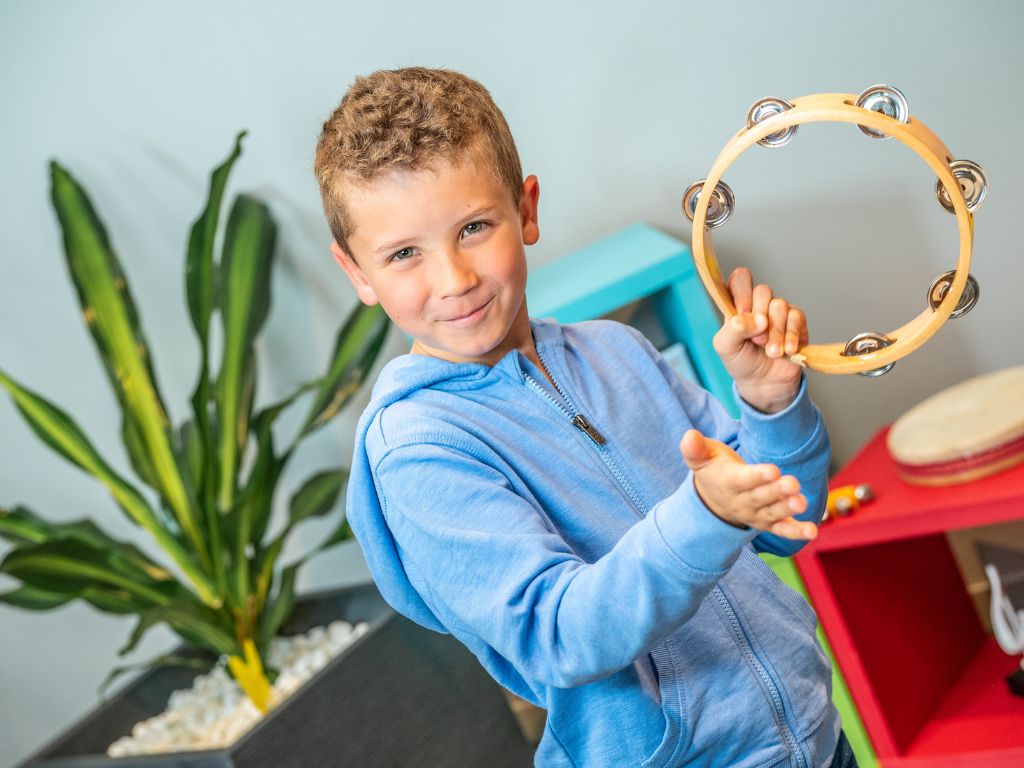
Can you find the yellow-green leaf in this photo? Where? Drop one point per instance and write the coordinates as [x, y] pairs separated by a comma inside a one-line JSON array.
[[281, 608], [356, 348], [59, 431], [244, 299], [317, 496], [113, 322], [31, 598], [69, 565]]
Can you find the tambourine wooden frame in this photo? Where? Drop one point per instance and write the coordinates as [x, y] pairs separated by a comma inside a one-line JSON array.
[[842, 107]]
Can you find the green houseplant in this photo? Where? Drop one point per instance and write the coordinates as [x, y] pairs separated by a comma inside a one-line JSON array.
[[213, 478]]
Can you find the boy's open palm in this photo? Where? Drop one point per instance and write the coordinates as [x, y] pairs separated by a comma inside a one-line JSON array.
[[753, 495]]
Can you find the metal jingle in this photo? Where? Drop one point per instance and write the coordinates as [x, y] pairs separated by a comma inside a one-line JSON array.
[[720, 206], [886, 99], [765, 108], [973, 184], [940, 287], [865, 343]]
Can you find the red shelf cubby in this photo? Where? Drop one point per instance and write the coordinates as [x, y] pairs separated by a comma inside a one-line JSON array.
[[928, 681]]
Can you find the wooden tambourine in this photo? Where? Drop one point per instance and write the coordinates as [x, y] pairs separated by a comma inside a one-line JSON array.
[[880, 112], [968, 431]]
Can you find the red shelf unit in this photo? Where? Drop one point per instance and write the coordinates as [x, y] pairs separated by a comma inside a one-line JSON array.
[[928, 681]]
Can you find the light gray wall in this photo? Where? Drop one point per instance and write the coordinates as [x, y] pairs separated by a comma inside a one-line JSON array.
[[615, 106]]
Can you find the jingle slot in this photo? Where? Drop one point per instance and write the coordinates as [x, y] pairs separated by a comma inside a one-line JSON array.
[[720, 207], [769, 107], [866, 343], [973, 184], [940, 287], [887, 100]]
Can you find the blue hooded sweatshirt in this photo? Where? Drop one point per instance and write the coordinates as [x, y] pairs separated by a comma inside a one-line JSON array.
[[557, 533]]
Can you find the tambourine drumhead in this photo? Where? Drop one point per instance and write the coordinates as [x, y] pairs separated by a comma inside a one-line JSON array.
[[973, 429]]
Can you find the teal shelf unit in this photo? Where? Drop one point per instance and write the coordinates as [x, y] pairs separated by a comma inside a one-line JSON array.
[[643, 263], [636, 263]]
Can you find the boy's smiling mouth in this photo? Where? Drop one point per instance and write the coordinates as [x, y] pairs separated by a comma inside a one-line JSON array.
[[473, 316]]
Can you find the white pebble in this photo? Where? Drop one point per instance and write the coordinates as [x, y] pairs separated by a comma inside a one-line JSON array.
[[214, 712]]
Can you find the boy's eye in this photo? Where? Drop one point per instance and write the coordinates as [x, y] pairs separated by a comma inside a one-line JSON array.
[[474, 227], [401, 255]]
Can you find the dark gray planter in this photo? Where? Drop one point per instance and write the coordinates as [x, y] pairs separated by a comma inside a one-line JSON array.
[[400, 695]]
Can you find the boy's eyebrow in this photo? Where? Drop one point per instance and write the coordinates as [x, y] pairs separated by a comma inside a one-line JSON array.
[[481, 211], [392, 245]]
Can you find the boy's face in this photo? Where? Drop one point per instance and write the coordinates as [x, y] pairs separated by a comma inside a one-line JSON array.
[[442, 251]]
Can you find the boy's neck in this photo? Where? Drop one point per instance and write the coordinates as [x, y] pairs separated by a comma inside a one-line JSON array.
[[520, 337]]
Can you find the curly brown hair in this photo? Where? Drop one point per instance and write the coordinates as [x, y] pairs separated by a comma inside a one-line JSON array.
[[408, 119]]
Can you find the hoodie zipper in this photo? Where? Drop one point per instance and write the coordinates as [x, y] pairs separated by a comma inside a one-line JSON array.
[[583, 424], [777, 706]]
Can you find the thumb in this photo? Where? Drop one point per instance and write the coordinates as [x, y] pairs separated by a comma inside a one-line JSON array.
[[697, 450], [737, 330]]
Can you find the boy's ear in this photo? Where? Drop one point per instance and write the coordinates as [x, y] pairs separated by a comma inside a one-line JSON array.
[[355, 276], [528, 210]]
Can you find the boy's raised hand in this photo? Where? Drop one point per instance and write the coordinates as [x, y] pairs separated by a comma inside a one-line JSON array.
[[745, 494], [756, 342]]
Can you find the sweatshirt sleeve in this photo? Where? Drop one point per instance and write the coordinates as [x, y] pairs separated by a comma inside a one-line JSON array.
[[490, 565], [795, 440]]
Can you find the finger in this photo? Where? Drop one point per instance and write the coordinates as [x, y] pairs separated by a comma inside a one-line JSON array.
[[783, 508], [796, 330], [761, 299], [791, 528], [766, 494], [746, 478], [778, 313], [696, 450], [741, 286], [735, 332]]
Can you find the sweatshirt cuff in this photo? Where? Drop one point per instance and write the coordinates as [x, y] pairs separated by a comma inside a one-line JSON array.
[[696, 536], [782, 433]]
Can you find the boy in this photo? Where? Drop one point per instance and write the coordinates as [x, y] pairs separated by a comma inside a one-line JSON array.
[[517, 483]]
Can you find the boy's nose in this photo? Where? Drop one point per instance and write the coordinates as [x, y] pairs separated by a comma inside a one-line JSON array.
[[455, 275]]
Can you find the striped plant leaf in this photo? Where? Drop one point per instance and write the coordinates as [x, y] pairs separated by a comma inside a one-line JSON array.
[[120, 602], [70, 565], [192, 622], [22, 526], [116, 601], [342, 533], [267, 469], [135, 446], [317, 496], [264, 568], [31, 598], [279, 609], [60, 432], [197, 445], [355, 349], [244, 300], [189, 450], [262, 424], [200, 272], [251, 511], [113, 322]]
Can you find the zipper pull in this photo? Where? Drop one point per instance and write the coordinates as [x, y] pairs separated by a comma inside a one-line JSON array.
[[581, 423]]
